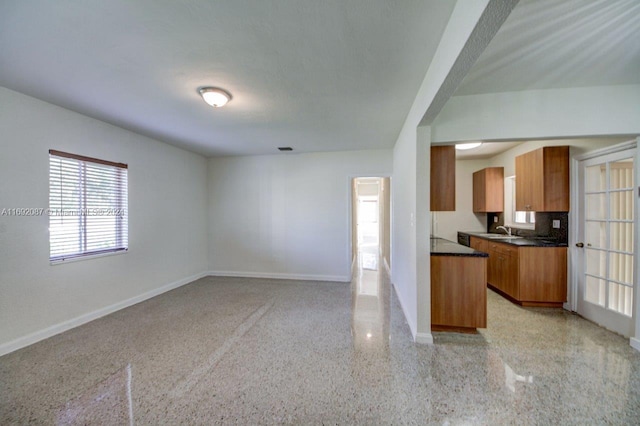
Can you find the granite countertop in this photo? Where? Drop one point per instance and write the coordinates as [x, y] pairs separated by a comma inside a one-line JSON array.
[[442, 247], [520, 242]]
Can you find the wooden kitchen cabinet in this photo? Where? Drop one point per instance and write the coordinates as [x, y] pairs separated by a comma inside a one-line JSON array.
[[443, 178], [503, 268], [529, 276], [488, 190], [479, 244], [542, 180], [458, 293]]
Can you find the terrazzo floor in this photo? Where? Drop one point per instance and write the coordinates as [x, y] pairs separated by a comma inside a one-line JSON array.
[[256, 351]]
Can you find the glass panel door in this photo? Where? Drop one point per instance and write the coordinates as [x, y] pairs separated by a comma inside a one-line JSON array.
[[605, 285]]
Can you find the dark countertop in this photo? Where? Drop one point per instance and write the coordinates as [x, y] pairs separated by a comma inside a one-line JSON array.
[[442, 247], [519, 242]]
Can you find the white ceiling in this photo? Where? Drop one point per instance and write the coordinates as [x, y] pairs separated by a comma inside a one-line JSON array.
[[548, 44], [314, 75]]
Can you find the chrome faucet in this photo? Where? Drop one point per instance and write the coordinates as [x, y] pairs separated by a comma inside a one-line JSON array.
[[507, 230]]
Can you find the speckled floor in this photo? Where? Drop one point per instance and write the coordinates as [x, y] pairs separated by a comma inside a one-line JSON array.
[[255, 351]]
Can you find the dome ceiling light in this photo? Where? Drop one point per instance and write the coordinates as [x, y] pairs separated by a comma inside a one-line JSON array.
[[465, 146], [215, 96]]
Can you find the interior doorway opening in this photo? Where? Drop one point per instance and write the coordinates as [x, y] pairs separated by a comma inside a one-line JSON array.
[[371, 221]]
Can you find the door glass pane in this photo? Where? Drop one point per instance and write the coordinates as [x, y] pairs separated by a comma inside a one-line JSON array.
[[596, 234], [594, 290], [621, 236], [595, 178], [621, 174], [596, 206], [622, 205], [620, 298], [596, 262], [621, 267]]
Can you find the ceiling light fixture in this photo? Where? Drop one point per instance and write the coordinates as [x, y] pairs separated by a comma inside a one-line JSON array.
[[215, 96], [470, 145]]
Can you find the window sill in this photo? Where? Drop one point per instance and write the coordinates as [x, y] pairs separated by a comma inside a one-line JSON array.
[[87, 257], [528, 226]]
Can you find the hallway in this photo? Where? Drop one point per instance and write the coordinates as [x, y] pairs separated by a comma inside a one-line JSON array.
[[248, 351]]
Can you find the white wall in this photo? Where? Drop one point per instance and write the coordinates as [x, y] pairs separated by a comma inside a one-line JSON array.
[[286, 215], [167, 213], [403, 228], [447, 224], [410, 194], [537, 114]]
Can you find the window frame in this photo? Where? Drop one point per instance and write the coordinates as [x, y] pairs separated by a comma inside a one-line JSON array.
[[510, 207], [83, 205]]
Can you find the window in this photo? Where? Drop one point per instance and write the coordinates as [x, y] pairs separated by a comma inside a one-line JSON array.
[[87, 206], [512, 217]]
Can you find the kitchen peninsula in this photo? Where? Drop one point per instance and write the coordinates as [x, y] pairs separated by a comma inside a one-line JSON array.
[[529, 271], [458, 287]]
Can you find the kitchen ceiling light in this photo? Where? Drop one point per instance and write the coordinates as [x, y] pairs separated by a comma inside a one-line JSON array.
[[215, 96], [470, 145]]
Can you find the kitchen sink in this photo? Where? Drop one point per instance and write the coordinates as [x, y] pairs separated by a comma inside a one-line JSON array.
[[499, 236]]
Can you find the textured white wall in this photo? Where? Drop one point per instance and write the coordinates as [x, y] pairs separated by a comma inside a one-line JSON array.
[[410, 194], [167, 215], [287, 215], [403, 228], [536, 114]]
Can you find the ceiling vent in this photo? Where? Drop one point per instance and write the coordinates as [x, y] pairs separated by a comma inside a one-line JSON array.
[[285, 148]]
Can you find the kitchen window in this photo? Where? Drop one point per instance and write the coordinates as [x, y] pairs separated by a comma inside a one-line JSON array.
[[512, 217], [88, 213]]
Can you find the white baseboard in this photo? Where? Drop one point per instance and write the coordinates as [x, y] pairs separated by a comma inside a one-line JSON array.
[[412, 326], [635, 343], [32, 338], [424, 338], [279, 276]]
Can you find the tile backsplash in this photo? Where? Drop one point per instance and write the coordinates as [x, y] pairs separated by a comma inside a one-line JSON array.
[[544, 228]]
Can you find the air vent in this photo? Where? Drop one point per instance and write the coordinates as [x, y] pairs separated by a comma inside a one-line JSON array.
[[285, 148]]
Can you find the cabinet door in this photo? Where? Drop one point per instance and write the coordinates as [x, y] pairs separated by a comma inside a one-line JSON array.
[[542, 180], [443, 178], [543, 274], [511, 278], [479, 191], [494, 267], [556, 179], [479, 244], [529, 181], [488, 190]]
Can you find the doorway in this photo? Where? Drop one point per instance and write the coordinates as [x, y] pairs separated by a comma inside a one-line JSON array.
[[606, 250], [371, 221], [371, 248]]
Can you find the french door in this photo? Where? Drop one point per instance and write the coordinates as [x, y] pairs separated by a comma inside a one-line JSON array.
[[606, 253]]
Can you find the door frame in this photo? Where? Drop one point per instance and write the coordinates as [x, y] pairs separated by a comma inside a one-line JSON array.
[[574, 267], [350, 213]]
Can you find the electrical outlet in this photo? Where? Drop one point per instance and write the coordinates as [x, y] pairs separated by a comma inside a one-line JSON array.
[[556, 224], [495, 219]]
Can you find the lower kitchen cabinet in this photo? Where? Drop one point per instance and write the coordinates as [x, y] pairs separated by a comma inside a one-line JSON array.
[[458, 293], [529, 276], [479, 244]]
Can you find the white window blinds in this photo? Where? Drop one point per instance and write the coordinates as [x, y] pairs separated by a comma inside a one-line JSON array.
[[87, 206]]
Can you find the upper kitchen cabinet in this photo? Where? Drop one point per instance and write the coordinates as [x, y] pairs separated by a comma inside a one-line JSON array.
[[488, 190], [443, 178], [542, 180]]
